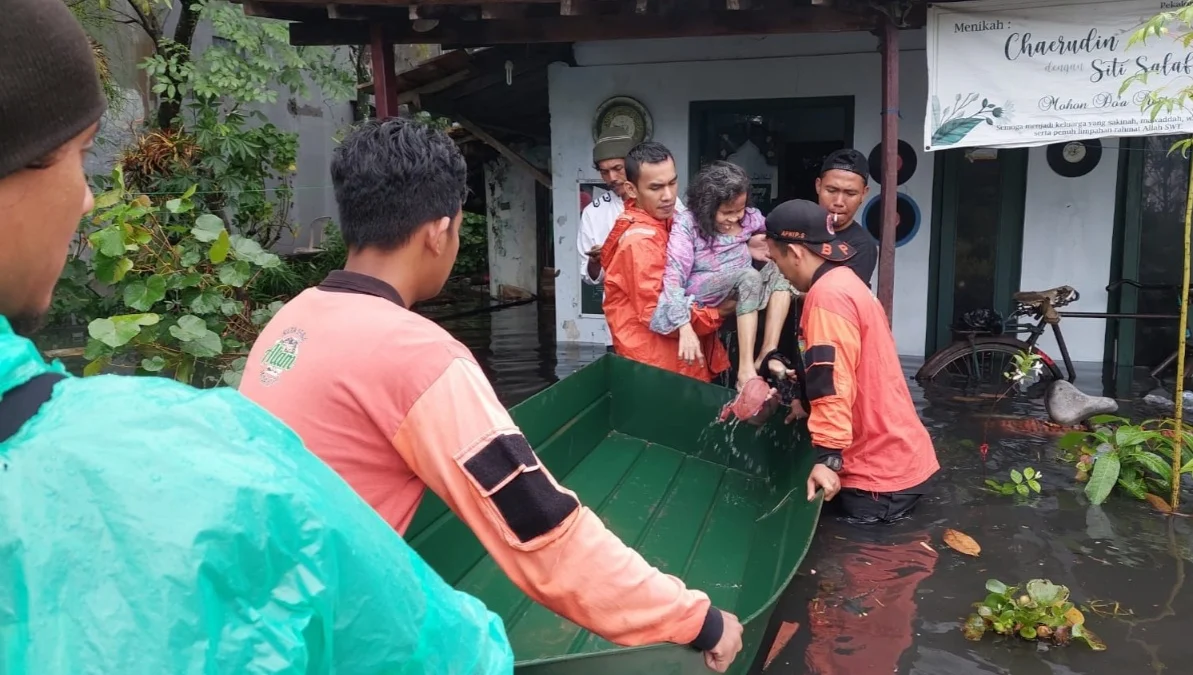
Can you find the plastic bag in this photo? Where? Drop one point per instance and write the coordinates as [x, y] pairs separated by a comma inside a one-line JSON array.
[[148, 527]]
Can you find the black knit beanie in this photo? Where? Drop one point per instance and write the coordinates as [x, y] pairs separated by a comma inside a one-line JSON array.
[[49, 87]]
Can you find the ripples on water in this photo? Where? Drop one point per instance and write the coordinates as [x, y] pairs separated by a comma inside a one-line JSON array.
[[880, 600]]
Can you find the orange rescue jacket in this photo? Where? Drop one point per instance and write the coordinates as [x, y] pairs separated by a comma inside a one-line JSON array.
[[634, 257]]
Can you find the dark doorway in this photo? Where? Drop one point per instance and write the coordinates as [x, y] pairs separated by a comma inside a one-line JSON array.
[[977, 236]]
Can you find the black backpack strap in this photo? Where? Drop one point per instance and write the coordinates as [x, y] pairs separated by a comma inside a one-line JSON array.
[[20, 404]]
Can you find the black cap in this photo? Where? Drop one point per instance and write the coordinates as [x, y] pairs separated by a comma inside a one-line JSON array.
[[849, 160], [800, 221]]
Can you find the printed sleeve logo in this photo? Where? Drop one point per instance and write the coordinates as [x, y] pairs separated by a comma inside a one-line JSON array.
[[282, 356]]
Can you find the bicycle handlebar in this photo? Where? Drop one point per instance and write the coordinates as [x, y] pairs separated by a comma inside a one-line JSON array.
[[1143, 287]]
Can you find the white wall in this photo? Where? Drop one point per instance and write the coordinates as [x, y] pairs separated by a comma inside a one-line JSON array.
[[666, 75], [1068, 228], [512, 225]]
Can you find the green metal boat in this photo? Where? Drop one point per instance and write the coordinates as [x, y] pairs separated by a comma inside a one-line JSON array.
[[720, 506]]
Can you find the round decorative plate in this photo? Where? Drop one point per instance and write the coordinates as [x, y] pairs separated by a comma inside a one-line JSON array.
[[907, 215], [1072, 159], [625, 112]]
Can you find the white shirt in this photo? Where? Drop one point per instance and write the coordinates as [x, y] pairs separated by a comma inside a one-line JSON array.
[[596, 222]]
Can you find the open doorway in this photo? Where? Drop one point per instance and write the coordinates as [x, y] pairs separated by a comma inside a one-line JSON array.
[[781, 143]]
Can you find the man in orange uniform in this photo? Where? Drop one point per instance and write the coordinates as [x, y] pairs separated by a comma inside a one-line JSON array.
[[869, 441], [394, 404], [634, 256]]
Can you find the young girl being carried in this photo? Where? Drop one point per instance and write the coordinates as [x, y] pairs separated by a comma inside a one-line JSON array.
[[710, 257]]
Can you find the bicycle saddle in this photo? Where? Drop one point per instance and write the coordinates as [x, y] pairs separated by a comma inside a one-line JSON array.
[[1056, 297]]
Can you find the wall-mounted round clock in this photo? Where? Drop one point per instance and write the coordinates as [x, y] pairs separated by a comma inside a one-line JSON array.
[[626, 112]]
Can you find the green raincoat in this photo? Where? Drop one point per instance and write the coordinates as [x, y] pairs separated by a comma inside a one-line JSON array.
[[149, 527]]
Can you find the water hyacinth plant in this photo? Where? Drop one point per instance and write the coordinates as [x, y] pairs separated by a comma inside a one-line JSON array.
[[1040, 610]]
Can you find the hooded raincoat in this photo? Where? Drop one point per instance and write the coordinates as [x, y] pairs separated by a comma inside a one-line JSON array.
[[149, 527]]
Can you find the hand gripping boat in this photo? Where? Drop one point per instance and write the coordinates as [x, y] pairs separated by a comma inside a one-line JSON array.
[[720, 506]]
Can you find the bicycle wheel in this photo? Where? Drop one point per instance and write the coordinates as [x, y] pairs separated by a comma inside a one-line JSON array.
[[984, 363]]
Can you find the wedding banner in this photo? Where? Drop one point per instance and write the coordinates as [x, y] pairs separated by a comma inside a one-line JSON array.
[[1014, 73]]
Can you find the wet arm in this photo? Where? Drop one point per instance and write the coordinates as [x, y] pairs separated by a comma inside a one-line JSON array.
[[830, 368], [463, 444]]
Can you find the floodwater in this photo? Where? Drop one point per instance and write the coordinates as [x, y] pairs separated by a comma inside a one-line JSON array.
[[892, 599]]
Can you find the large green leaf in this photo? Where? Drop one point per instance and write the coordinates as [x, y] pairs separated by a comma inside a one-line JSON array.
[[953, 131], [111, 270], [219, 249], [248, 250], [143, 294], [235, 273], [1128, 436], [1103, 478], [1154, 464], [189, 328], [188, 280], [205, 346], [996, 586], [118, 331], [108, 241], [208, 228], [207, 302]]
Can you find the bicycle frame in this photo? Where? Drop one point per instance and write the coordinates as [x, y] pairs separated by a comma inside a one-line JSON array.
[[1034, 332]]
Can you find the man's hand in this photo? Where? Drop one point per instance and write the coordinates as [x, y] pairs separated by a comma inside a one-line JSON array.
[[728, 306], [797, 412], [758, 249], [719, 658], [824, 478], [594, 262], [689, 346]]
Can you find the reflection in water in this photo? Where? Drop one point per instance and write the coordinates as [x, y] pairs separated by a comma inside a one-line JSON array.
[[880, 600]]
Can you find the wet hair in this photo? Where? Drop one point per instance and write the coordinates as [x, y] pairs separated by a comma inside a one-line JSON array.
[[649, 152], [391, 177], [717, 183]]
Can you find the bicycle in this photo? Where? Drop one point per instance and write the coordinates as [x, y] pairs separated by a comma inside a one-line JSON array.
[[988, 350]]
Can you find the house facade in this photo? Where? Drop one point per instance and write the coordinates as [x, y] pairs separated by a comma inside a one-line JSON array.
[[983, 223]]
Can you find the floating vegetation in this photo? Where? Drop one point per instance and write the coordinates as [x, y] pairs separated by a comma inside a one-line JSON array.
[[1022, 483], [1040, 610]]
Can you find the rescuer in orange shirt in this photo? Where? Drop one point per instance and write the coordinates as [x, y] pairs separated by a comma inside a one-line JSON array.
[[634, 257], [871, 446], [395, 405]]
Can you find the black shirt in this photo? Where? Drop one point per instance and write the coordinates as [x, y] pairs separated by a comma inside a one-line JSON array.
[[866, 258]]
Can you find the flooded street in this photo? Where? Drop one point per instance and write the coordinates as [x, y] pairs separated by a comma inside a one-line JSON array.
[[877, 600]]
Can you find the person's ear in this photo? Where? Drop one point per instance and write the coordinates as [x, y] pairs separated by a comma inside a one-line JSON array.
[[817, 186], [631, 190], [438, 235]]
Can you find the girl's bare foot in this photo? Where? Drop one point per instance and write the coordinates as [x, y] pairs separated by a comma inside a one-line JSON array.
[[745, 375]]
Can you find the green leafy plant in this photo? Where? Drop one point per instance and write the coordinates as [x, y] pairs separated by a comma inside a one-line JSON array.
[[1022, 483], [173, 283], [474, 246], [1135, 457], [1039, 611]]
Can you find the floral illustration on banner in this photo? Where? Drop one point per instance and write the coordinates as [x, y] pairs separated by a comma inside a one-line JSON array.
[[956, 121]]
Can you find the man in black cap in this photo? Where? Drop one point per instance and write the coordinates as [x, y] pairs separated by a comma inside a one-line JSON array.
[[149, 527], [842, 187], [871, 446]]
